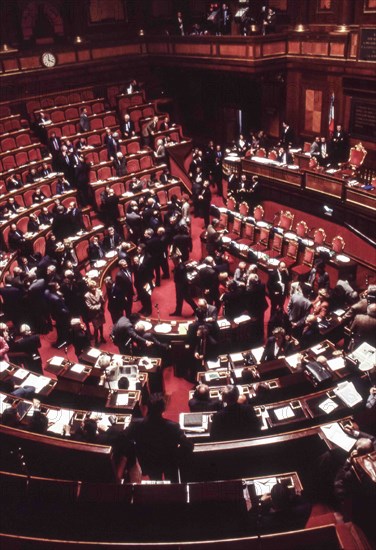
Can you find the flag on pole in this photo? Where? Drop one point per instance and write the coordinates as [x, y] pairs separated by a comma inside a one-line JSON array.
[[331, 115]]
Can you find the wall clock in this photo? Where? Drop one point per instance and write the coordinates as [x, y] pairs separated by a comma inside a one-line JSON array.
[[49, 59]]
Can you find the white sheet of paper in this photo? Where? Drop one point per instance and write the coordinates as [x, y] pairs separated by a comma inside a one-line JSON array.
[[257, 353], [122, 399], [284, 413], [21, 374], [292, 360], [346, 391], [337, 363], [3, 366], [339, 312], [214, 364], [79, 369], [318, 349], [328, 406], [94, 352], [56, 361], [39, 382], [336, 435], [237, 357], [241, 319], [59, 418], [264, 486]]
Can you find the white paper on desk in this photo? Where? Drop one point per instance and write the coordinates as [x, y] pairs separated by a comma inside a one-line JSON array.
[[336, 435], [3, 366], [122, 399], [56, 361], [213, 364], [328, 406], [264, 486], [20, 374], [339, 312], [241, 319], [223, 323], [58, 419], [102, 418], [337, 363], [366, 355], [39, 382], [183, 328], [257, 353], [79, 369], [346, 391], [94, 352], [318, 349], [292, 360], [237, 357], [211, 376], [284, 413]]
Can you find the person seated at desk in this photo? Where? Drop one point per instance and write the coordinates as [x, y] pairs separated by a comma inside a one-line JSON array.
[[234, 421], [13, 183], [311, 332], [38, 196], [33, 225], [135, 185], [160, 444], [29, 344], [13, 206], [363, 328], [45, 171], [143, 348], [62, 186], [32, 176], [202, 402], [278, 345], [281, 510], [320, 305]]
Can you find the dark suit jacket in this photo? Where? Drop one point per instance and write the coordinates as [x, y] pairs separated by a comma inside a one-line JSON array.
[[84, 123], [234, 422], [268, 353]]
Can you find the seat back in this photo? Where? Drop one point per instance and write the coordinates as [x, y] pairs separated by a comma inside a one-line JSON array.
[[231, 204], [249, 231], [292, 250], [146, 162], [338, 244], [133, 165], [286, 220], [264, 236], [313, 164], [261, 152], [244, 209], [301, 229], [133, 147], [272, 155], [258, 213], [223, 220], [309, 255], [23, 140], [319, 236], [237, 226], [71, 112], [277, 243], [357, 156], [306, 147]]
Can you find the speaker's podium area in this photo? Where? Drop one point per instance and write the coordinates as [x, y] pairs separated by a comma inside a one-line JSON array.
[[188, 274]]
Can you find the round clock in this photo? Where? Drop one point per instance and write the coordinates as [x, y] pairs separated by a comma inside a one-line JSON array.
[[49, 59]]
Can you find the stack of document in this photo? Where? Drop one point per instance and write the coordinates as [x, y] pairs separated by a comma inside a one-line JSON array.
[[347, 393]]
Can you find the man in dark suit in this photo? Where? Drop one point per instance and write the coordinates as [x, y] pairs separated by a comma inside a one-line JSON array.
[[111, 240], [182, 287], [182, 241], [12, 301], [232, 184], [95, 250], [128, 128], [287, 135], [124, 330], [112, 143], [84, 120], [149, 130], [201, 401], [235, 421], [204, 200], [277, 346], [124, 283], [363, 327], [120, 165], [134, 222], [160, 443], [339, 145], [54, 144], [277, 286]]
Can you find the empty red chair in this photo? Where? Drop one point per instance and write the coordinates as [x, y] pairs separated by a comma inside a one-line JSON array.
[[133, 165], [276, 248], [103, 155], [94, 140], [104, 173], [133, 147], [74, 97], [61, 99], [96, 123], [71, 112], [87, 94], [109, 120], [261, 152], [7, 144], [301, 271], [81, 251], [291, 254], [123, 103], [338, 244], [92, 157], [57, 116], [272, 155], [33, 105], [97, 107], [301, 229], [47, 102], [175, 136], [34, 154], [258, 213], [40, 245], [162, 197], [21, 158], [136, 99], [68, 129], [148, 111], [146, 162], [248, 234], [9, 162], [23, 140], [56, 129], [135, 115], [5, 111], [319, 237], [286, 220]]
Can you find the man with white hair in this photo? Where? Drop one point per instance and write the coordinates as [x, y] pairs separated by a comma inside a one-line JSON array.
[[160, 152]]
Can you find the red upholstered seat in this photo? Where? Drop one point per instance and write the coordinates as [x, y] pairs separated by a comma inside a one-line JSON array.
[[258, 213], [244, 209], [23, 140], [133, 147], [338, 244], [57, 116], [231, 204], [103, 155], [162, 197], [301, 270], [301, 229], [94, 140], [133, 165], [261, 152], [96, 123], [319, 237], [175, 190], [248, 234], [291, 254], [286, 220], [7, 144], [272, 155], [71, 112], [146, 162]]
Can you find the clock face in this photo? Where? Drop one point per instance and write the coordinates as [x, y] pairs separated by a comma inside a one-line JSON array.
[[49, 59]]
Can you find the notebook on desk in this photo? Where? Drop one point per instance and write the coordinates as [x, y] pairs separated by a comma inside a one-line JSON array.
[[193, 420]]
